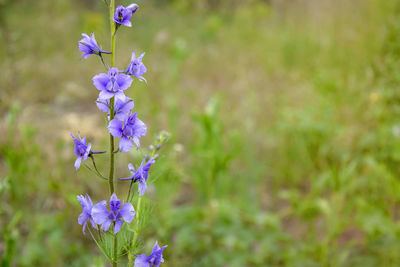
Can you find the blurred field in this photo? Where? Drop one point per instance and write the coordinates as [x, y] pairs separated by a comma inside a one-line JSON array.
[[284, 119]]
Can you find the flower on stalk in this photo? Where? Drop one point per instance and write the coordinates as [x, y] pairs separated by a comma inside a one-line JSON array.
[[154, 259], [88, 46], [130, 130], [141, 175], [105, 218], [136, 67], [86, 214], [122, 15], [121, 107], [81, 150], [112, 84]]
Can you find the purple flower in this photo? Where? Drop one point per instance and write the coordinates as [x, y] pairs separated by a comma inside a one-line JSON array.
[[131, 129], [136, 67], [122, 15], [121, 107], [103, 217], [141, 175], [112, 84], [81, 150], [88, 46], [86, 214], [154, 260]]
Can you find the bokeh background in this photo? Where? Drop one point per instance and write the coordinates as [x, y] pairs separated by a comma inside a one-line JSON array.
[[284, 119]]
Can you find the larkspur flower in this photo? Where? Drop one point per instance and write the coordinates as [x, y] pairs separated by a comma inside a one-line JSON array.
[[112, 84], [121, 107], [130, 130], [102, 216], [81, 150], [86, 214], [153, 260], [136, 67], [88, 46], [122, 15], [141, 175]]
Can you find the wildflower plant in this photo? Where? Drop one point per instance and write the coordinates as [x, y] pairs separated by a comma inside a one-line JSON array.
[[105, 220]]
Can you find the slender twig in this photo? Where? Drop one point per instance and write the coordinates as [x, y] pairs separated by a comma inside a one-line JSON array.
[[129, 192], [103, 62], [95, 172], [95, 167]]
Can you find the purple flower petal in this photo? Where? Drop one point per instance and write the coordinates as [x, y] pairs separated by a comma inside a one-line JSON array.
[[106, 94], [118, 225], [124, 81], [115, 203], [115, 128], [142, 187], [84, 227], [87, 152], [82, 218], [100, 213], [101, 81], [131, 168], [102, 104], [132, 8], [77, 163], [106, 225], [120, 95], [141, 261], [136, 141], [127, 212], [125, 144]]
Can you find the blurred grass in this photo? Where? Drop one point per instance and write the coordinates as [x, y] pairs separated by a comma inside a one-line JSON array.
[[285, 130]]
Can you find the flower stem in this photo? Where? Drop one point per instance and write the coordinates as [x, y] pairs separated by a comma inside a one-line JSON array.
[[111, 176], [136, 233]]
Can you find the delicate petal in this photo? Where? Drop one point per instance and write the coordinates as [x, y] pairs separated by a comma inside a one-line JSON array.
[[77, 144], [106, 94], [106, 225], [132, 7], [118, 225], [115, 128], [100, 213], [82, 218], [83, 201], [140, 128], [84, 226], [131, 168], [119, 95], [142, 187], [102, 104], [87, 152], [100, 81], [115, 203], [124, 81], [125, 144], [136, 141], [127, 212], [156, 247], [78, 163], [141, 261], [147, 166]]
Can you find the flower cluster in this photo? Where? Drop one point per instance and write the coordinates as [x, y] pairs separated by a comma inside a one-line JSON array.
[[123, 123], [99, 214]]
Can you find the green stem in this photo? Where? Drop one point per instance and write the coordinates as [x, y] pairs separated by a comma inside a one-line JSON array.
[[136, 233], [111, 176]]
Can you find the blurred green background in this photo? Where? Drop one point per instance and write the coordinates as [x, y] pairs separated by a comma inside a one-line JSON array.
[[284, 119]]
